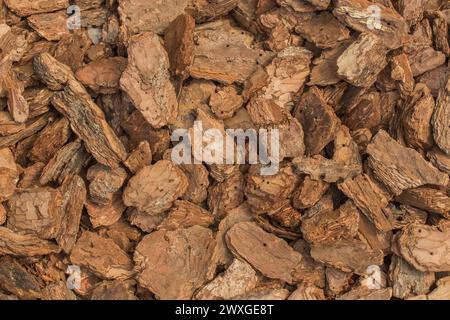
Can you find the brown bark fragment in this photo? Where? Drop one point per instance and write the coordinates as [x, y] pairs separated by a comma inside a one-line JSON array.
[[25, 8], [139, 157], [185, 215], [363, 293], [146, 80], [439, 159], [58, 291], [225, 102], [104, 182], [155, 188], [16, 244], [9, 174], [305, 292], [205, 10], [106, 215], [197, 175], [226, 195], [428, 199], [423, 59], [265, 252], [50, 26], [115, 290], [309, 193], [14, 278], [85, 117], [173, 264], [101, 256], [71, 49], [441, 119], [401, 168]]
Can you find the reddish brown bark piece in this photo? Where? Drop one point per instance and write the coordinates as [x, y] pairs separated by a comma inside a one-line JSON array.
[[428, 199], [318, 119], [101, 256], [425, 247], [205, 10], [2, 214], [155, 188], [185, 215], [267, 253], [102, 75], [25, 8], [439, 159], [226, 195], [17, 244], [441, 119], [138, 16], [173, 264], [309, 193], [104, 182], [50, 140], [115, 290], [51, 26], [179, 43], [14, 278], [36, 211], [197, 176], [85, 117], [225, 102], [72, 48], [399, 167], [423, 59], [139, 157], [9, 174], [223, 53], [147, 80], [370, 197], [106, 215]]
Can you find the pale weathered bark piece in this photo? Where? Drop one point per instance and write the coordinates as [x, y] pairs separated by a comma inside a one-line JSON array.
[[36, 211], [104, 182], [25, 8], [362, 61], [154, 188], [425, 247], [442, 291], [197, 175], [226, 195], [407, 281], [185, 215], [173, 264], [224, 53], [103, 75], [16, 244], [85, 117], [225, 102], [441, 119], [401, 168], [428, 199], [101, 256], [265, 252], [238, 279], [146, 80]]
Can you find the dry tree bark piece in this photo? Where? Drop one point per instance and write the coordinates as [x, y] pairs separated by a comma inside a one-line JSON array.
[[441, 119], [146, 80], [16, 244], [72, 48], [67, 162], [442, 291], [115, 290], [185, 215], [285, 216], [309, 271], [14, 278], [411, 10], [423, 59], [439, 159], [50, 140], [103, 75], [173, 264], [309, 192], [50, 26], [226, 195], [264, 192], [139, 157], [9, 174], [363, 60], [58, 291], [73, 198], [370, 197], [144, 221], [85, 117], [357, 14], [435, 79], [320, 168], [320, 4], [399, 167], [425, 247], [348, 255], [428, 199], [405, 215], [104, 182], [197, 176], [307, 292], [17, 104], [101, 256], [440, 30], [237, 280], [224, 53], [318, 119], [322, 29], [240, 214], [337, 281], [402, 73], [8, 126], [270, 255], [106, 215], [2, 214], [139, 16], [36, 211], [38, 100], [25, 8], [262, 293], [417, 118], [407, 281], [154, 188], [225, 102], [364, 293], [205, 10], [331, 226], [179, 43]]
